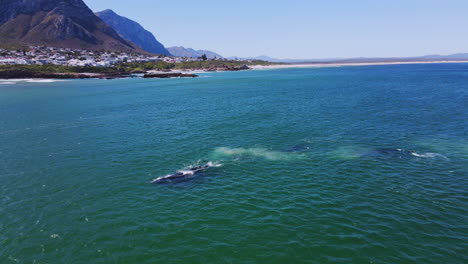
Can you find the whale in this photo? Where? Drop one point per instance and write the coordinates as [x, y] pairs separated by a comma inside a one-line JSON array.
[[297, 148], [183, 174], [402, 153], [390, 152]]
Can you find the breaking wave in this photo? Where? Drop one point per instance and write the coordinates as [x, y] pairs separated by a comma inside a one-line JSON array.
[[14, 81]]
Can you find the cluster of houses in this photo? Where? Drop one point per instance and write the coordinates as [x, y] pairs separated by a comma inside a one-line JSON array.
[[37, 55]]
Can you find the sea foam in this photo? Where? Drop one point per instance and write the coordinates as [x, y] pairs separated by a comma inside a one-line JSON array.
[[255, 152], [14, 81]]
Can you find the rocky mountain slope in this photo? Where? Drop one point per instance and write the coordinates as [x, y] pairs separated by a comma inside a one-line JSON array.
[[58, 23], [132, 31]]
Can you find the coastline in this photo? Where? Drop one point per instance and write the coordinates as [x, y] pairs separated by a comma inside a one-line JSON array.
[[30, 72], [27, 75], [343, 64]]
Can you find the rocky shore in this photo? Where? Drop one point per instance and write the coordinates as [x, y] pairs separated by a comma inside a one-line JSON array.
[[228, 68], [170, 75], [31, 74]]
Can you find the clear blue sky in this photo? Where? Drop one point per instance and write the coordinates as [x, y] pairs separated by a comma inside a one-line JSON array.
[[303, 28]]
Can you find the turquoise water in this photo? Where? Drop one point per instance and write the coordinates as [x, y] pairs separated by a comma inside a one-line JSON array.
[[316, 168]]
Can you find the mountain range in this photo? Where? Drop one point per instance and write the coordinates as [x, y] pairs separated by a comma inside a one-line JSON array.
[[132, 31], [457, 56], [191, 53], [71, 24], [59, 23]]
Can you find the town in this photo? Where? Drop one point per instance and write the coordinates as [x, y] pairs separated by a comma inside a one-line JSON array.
[[38, 55]]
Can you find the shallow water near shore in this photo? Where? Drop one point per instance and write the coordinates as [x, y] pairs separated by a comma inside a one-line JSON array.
[[319, 165]]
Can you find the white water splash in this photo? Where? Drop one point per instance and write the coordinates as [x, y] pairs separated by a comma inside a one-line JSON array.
[[214, 164], [456, 147], [186, 172], [429, 155]]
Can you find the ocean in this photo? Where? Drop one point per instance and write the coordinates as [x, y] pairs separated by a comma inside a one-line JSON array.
[[360, 164]]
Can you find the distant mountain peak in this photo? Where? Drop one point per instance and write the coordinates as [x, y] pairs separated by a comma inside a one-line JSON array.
[[132, 31], [107, 11], [192, 53]]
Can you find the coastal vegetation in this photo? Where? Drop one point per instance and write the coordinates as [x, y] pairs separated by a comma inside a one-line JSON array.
[[189, 65], [119, 70], [51, 68], [136, 66]]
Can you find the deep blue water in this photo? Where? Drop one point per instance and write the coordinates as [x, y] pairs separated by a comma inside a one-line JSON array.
[[319, 165]]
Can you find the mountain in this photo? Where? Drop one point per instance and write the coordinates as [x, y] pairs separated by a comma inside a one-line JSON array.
[[451, 56], [188, 52], [132, 31], [262, 58], [58, 23], [270, 59]]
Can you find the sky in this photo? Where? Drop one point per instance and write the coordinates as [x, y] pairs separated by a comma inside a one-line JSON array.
[[303, 29]]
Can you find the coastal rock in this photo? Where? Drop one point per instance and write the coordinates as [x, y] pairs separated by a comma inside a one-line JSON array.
[[170, 75], [231, 68], [239, 68], [226, 68], [138, 72]]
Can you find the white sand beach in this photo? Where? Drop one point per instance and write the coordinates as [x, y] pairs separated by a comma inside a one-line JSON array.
[[323, 65]]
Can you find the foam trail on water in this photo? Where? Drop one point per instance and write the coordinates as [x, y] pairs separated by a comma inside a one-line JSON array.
[[348, 152], [457, 147], [255, 152]]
